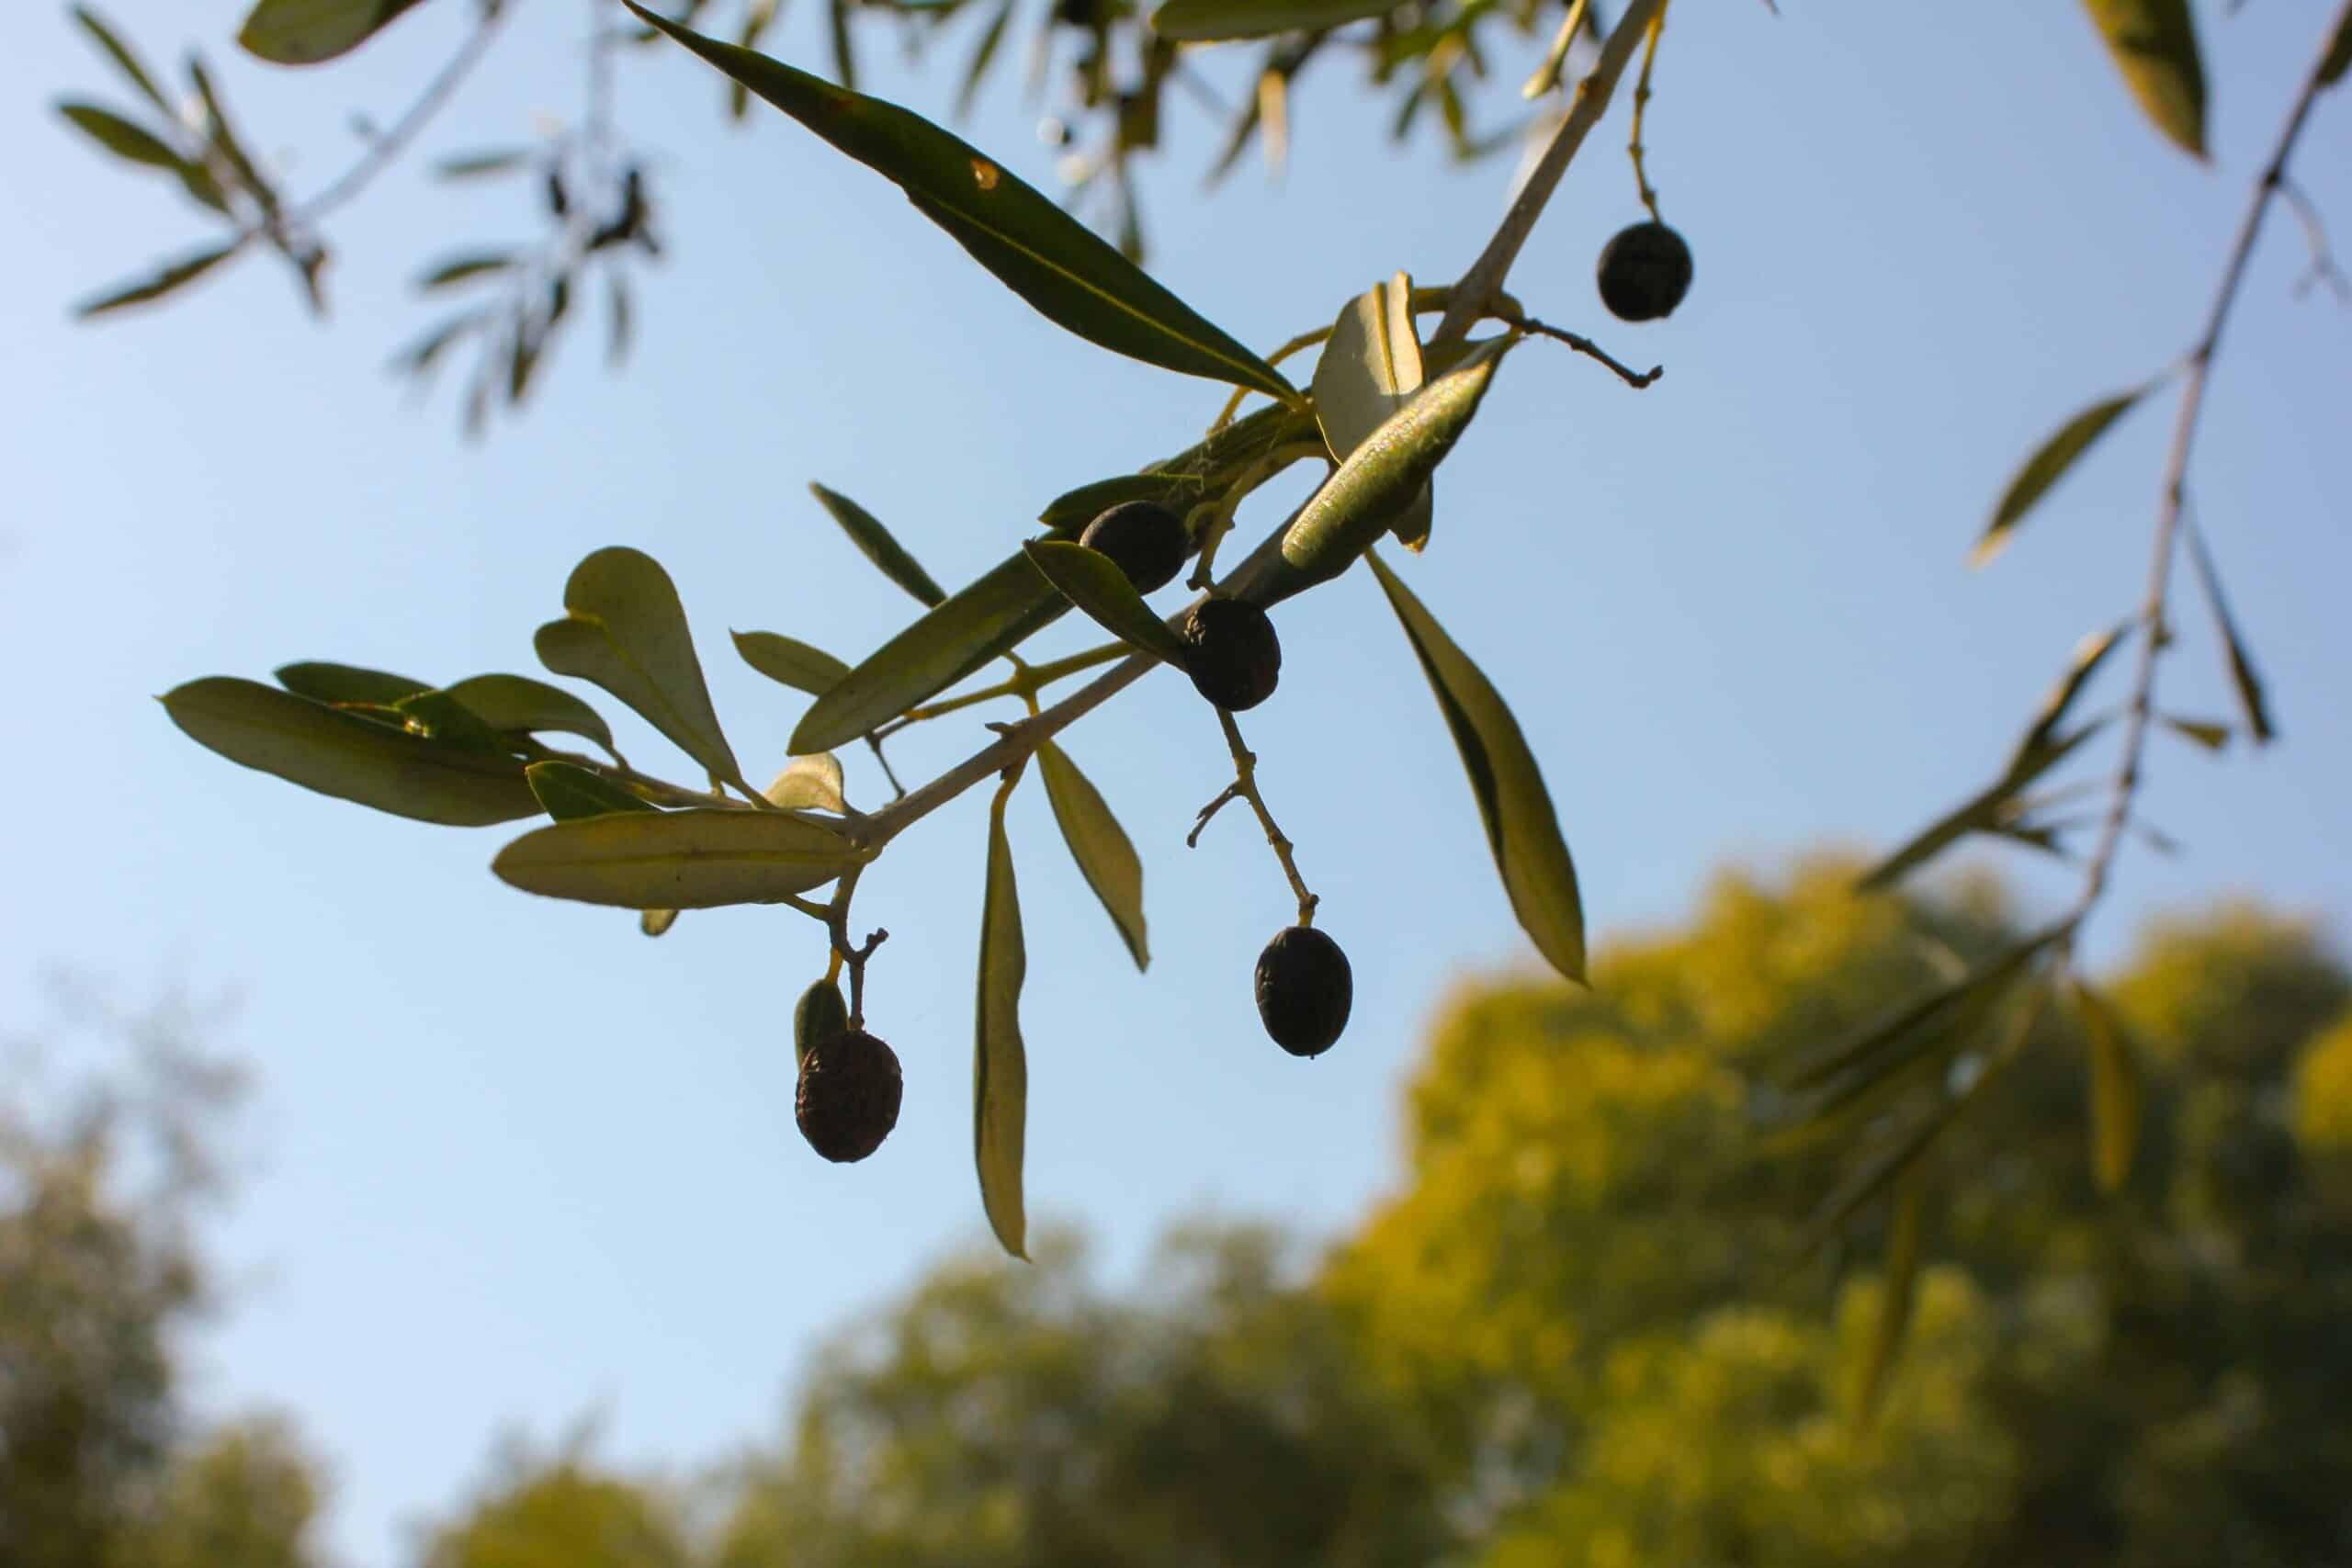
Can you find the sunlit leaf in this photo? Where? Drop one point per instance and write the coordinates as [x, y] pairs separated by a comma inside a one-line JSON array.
[[656, 922], [627, 632], [2155, 45], [813, 783], [2115, 1090], [177, 275], [2211, 734], [1898, 1288], [699, 859], [304, 32], [790, 661], [2088, 655], [1047, 256], [521, 706], [1980, 812], [2242, 675], [999, 1061], [1522, 831], [1104, 854], [1370, 369], [1382, 476], [1092, 582], [327, 683], [569, 792], [876, 542], [437, 716], [1204, 20], [341, 754], [2046, 466]]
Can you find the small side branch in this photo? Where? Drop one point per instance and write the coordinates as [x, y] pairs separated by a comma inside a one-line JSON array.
[[1637, 379], [1245, 787], [1640, 102]]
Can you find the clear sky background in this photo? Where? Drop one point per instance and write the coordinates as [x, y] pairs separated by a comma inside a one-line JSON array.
[[512, 1161]]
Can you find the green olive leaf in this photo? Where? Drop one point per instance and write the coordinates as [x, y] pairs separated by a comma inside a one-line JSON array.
[[2047, 466], [569, 792], [340, 753], [2242, 673], [170, 278], [656, 922], [873, 541], [1370, 369], [2338, 58], [999, 1061], [1092, 582], [124, 61], [700, 858], [1061, 268], [810, 783], [790, 663], [125, 139], [1105, 856], [517, 705], [324, 683], [1381, 476], [437, 716], [2088, 655], [1898, 1287], [627, 632], [2115, 1090], [1202, 21], [2155, 45], [1979, 813], [2211, 734], [305, 32], [1075, 509], [1522, 831]]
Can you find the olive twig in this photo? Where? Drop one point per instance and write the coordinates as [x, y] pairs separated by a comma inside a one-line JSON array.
[[1245, 787], [1584, 345], [1640, 102], [837, 923], [1218, 514]]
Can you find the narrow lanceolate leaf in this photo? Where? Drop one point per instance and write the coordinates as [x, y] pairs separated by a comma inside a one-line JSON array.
[[2205, 732], [701, 859], [304, 32], [1521, 830], [327, 683], [2155, 45], [1056, 263], [1891, 1039], [627, 632], [999, 1061], [458, 269], [1205, 21], [520, 705], [2338, 58], [1104, 854], [2115, 1090], [1006, 605], [223, 140], [124, 61], [1898, 1288], [177, 275], [1370, 369], [479, 165], [2046, 466], [1980, 812], [1075, 509], [569, 792], [1092, 582], [810, 782], [656, 922], [789, 661], [125, 139], [341, 754], [2089, 654], [875, 542], [1380, 477], [2242, 674]]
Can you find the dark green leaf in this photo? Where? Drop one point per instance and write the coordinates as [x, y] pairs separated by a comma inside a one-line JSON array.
[[1898, 1288], [1370, 369], [791, 662], [999, 1061], [224, 139], [2115, 1090], [1977, 813], [1075, 509], [1205, 20], [2155, 45], [627, 632], [125, 61], [327, 683], [875, 542], [1103, 852], [2338, 58], [1381, 477], [2242, 675], [570, 792], [437, 716], [2046, 466], [520, 704], [178, 274], [476, 166], [122, 138], [1008, 604], [1522, 831], [304, 32], [2088, 655], [2205, 732], [699, 859], [457, 269], [1061, 268], [1092, 582], [338, 753]]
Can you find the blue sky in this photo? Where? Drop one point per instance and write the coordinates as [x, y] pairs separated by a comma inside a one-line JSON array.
[[512, 1161]]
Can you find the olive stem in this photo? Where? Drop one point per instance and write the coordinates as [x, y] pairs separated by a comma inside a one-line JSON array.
[[1220, 510], [836, 915], [1245, 787], [1584, 345], [1547, 75], [1640, 102]]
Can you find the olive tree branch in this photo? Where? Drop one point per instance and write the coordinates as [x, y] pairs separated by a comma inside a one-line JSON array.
[[2197, 374], [1245, 787], [386, 148]]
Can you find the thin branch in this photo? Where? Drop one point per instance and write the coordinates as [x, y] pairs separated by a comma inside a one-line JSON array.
[[2198, 374], [1245, 787], [1635, 379], [1484, 279], [382, 151], [1640, 102], [2322, 268]]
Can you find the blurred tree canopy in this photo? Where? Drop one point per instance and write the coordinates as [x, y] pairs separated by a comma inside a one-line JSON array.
[[1571, 1335]]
